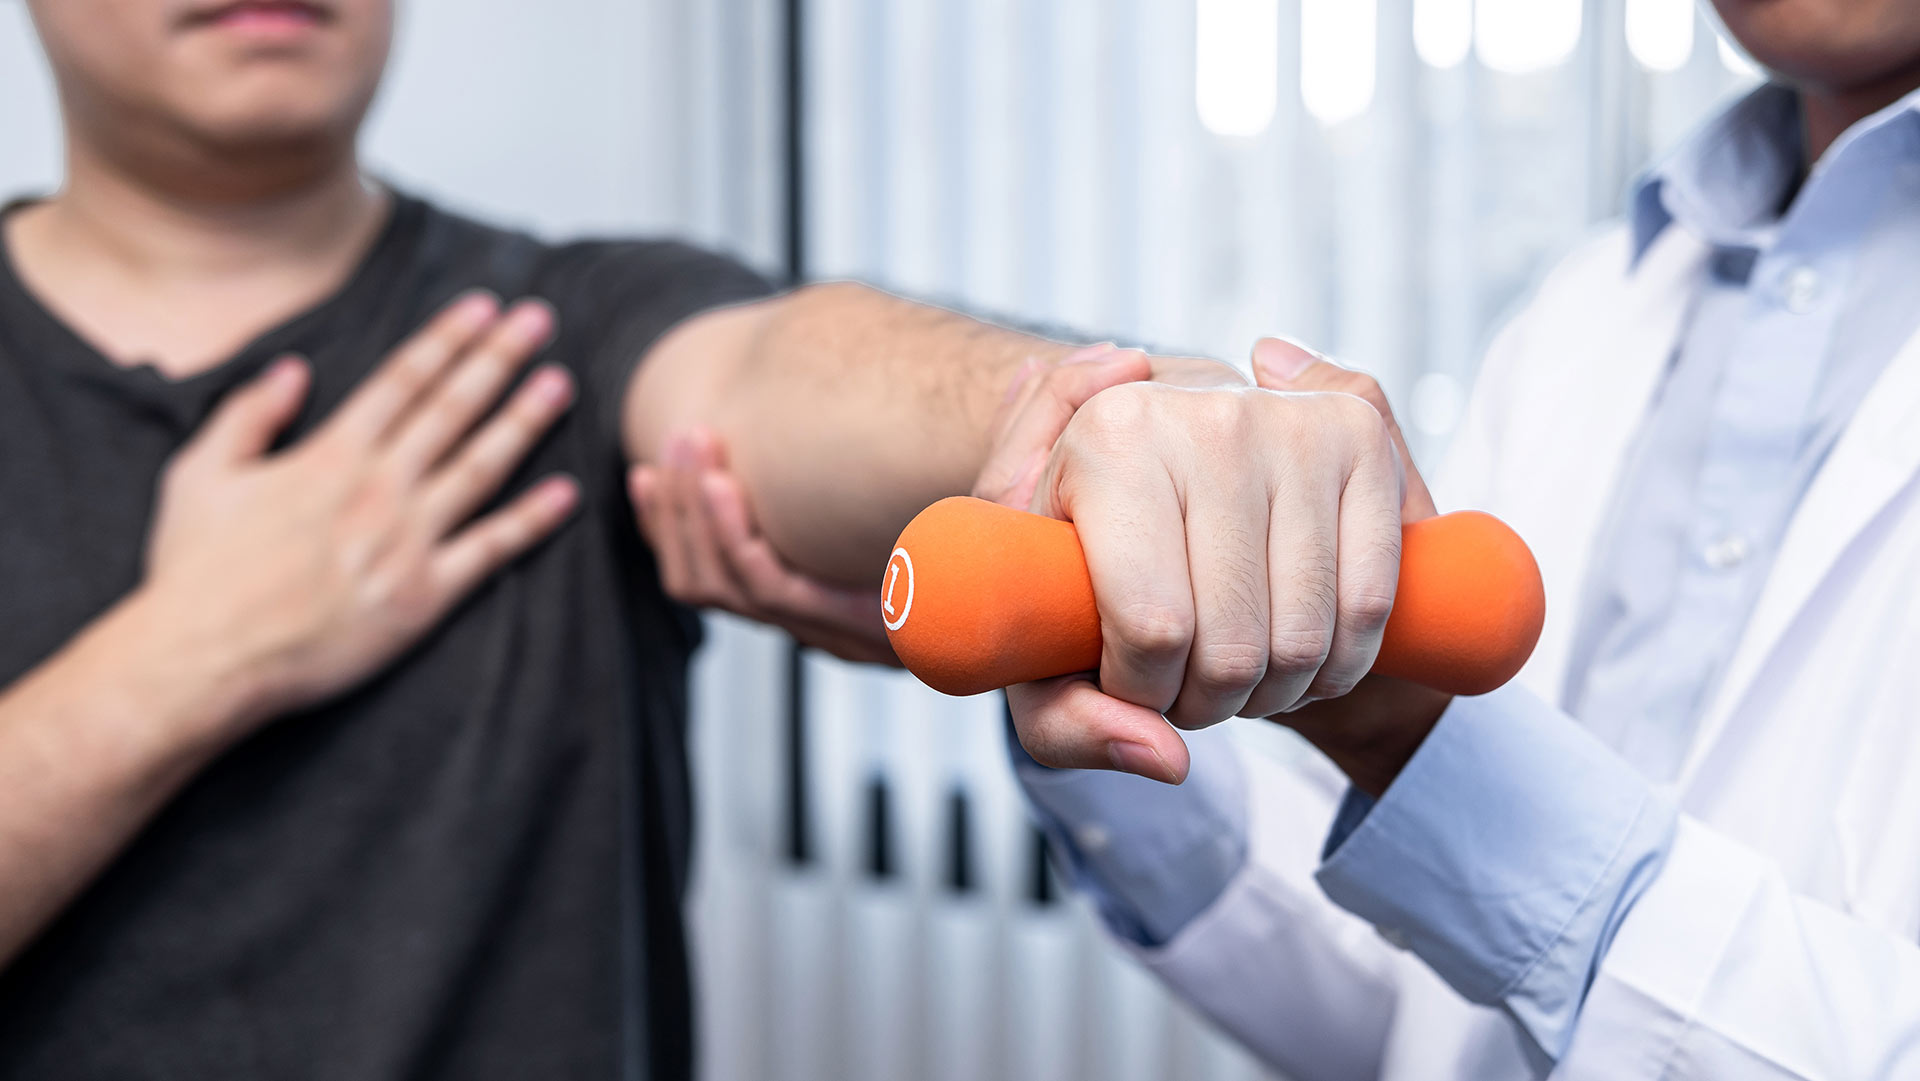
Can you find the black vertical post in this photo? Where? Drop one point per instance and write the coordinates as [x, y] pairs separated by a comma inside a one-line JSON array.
[[795, 148], [799, 824], [959, 871], [1039, 888], [879, 833]]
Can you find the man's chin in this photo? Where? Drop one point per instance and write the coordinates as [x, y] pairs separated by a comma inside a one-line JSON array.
[[265, 105], [246, 156], [250, 130]]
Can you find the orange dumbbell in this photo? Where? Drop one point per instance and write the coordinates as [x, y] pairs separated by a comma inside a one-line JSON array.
[[978, 597]]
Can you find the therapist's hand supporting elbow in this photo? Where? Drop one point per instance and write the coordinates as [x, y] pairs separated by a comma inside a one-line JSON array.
[[1372, 732]]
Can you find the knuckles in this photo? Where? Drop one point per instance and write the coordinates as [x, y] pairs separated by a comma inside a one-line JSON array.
[[1153, 631], [1340, 431], [1230, 668], [1119, 418], [1114, 417], [377, 498], [1301, 635], [401, 594], [1295, 652], [1225, 673], [1366, 600], [1228, 413], [1359, 419], [1367, 609]]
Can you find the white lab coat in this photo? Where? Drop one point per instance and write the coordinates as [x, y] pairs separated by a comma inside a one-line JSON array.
[[1779, 941]]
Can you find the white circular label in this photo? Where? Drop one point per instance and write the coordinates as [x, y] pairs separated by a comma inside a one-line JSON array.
[[896, 593]]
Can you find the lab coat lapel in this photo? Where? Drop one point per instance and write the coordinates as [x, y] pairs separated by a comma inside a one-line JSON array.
[[1875, 458], [1620, 362]]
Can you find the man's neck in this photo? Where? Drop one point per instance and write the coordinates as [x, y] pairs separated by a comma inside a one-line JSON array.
[[148, 274], [1828, 113]]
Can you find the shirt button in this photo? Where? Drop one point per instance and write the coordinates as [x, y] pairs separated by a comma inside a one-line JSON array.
[[1091, 839], [1726, 553], [1395, 937], [1801, 290]]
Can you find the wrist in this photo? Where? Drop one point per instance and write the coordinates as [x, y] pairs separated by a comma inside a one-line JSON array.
[[1374, 732], [196, 687]]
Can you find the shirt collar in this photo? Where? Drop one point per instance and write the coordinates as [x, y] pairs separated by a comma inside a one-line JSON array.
[[1729, 181]]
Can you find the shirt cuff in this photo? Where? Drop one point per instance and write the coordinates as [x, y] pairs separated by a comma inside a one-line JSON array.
[[1149, 856], [1505, 856]]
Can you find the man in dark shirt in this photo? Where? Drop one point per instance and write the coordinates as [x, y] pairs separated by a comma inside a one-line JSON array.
[[342, 730]]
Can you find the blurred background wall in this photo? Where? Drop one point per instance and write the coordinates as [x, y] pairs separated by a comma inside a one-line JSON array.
[[1382, 178]]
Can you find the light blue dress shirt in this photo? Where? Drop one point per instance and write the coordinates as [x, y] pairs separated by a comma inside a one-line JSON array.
[[1518, 837]]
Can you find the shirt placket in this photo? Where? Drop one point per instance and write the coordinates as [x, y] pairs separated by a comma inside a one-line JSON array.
[[1757, 429]]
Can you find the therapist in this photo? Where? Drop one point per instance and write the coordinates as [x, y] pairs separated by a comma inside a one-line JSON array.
[[1685, 843]]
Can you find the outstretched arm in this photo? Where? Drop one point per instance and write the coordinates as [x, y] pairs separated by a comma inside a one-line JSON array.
[[845, 411], [1242, 545]]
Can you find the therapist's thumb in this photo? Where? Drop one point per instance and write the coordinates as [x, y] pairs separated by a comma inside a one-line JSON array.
[[1279, 364]]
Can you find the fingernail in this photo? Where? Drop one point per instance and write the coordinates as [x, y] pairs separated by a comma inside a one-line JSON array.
[[553, 386], [1141, 760], [531, 321], [560, 494], [476, 306], [1281, 360], [286, 369]]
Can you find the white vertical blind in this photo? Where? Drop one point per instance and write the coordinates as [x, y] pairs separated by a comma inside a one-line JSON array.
[[1518, 36], [1337, 56], [1442, 31], [1660, 33], [1237, 89]]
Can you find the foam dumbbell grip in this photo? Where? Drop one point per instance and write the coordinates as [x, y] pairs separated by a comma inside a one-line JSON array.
[[977, 597]]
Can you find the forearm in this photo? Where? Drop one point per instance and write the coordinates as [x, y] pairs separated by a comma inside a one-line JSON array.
[[844, 411], [855, 410], [93, 743]]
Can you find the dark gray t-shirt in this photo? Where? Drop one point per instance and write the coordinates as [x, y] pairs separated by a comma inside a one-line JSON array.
[[471, 866]]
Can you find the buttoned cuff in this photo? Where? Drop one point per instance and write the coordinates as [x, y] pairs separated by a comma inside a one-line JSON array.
[[1504, 855]]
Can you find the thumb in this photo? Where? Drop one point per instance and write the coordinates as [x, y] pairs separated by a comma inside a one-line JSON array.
[[246, 423], [1067, 723], [1279, 364], [1040, 415]]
